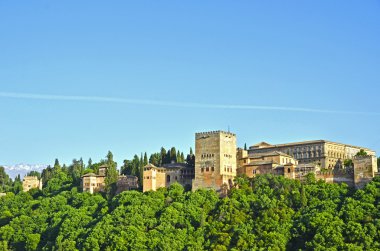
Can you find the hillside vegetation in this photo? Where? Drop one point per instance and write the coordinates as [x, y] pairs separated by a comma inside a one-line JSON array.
[[265, 213]]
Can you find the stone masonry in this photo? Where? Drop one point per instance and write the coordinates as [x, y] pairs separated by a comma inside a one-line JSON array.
[[215, 160]]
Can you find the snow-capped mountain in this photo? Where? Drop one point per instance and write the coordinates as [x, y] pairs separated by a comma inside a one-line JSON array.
[[22, 169]]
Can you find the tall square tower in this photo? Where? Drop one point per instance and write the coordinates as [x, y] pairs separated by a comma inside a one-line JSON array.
[[215, 160]]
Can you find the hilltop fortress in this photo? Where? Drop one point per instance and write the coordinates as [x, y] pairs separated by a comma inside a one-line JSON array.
[[218, 161]]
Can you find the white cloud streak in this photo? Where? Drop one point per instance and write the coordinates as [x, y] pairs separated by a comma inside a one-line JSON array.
[[175, 104]]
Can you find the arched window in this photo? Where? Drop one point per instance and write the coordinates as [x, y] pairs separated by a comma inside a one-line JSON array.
[[167, 178], [288, 169]]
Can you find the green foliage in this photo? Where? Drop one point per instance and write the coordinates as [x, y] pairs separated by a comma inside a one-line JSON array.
[[263, 213], [361, 153], [5, 181], [34, 173], [348, 163]]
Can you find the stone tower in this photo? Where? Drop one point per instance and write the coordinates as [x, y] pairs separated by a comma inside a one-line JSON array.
[[215, 160], [365, 168]]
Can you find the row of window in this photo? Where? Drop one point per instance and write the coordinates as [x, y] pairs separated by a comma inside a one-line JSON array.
[[228, 169], [207, 155], [92, 184], [307, 155], [228, 156], [337, 155], [167, 178], [207, 169]]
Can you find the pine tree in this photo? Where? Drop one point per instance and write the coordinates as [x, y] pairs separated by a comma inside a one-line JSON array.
[[191, 151], [245, 146]]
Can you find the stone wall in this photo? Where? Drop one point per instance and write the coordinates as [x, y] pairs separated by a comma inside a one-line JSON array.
[[365, 168], [30, 182], [215, 160]]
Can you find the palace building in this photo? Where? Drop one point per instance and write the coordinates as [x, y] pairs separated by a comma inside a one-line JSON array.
[[326, 154]]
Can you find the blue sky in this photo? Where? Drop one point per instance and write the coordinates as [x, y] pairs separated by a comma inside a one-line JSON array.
[[317, 55]]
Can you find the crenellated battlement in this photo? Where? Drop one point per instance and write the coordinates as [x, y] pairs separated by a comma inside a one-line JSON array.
[[214, 132], [361, 157]]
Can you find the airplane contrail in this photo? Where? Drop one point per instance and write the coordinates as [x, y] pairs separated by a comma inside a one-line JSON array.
[[174, 104]]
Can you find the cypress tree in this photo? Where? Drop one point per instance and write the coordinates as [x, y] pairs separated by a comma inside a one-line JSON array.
[[178, 157], [89, 164], [182, 158], [111, 175], [145, 159], [57, 166], [163, 156], [173, 155]]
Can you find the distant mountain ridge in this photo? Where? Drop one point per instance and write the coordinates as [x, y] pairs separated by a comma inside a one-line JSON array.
[[22, 169]]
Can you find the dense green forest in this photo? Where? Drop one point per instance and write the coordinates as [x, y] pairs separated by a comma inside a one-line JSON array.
[[263, 213]]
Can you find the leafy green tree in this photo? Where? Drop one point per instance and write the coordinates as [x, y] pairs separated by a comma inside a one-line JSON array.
[[266, 212], [34, 173], [32, 241], [5, 181], [155, 159], [347, 163], [47, 174], [76, 171]]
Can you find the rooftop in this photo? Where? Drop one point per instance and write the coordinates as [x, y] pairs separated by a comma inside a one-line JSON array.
[[170, 166], [273, 153], [267, 145]]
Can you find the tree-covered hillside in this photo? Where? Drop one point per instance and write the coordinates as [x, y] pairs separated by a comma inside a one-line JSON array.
[[265, 213]]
